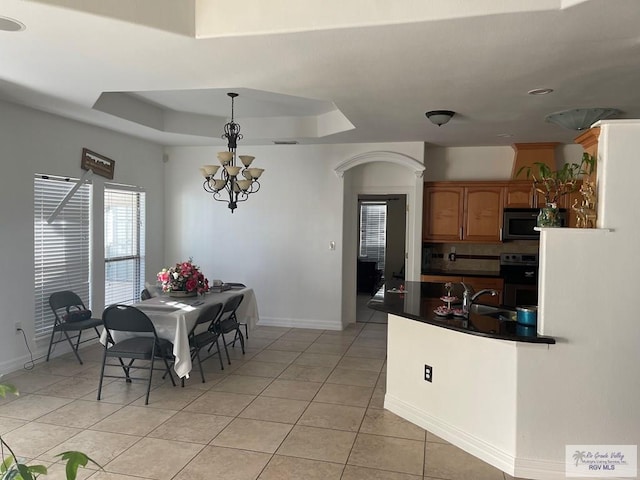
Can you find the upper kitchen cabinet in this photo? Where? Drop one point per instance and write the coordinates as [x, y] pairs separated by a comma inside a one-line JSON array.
[[482, 214], [442, 213], [462, 212], [589, 140], [522, 194]]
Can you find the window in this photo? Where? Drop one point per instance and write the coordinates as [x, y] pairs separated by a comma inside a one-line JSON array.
[[373, 231], [61, 249], [124, 221]]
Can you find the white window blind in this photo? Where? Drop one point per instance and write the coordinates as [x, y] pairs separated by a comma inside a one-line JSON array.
[[373, 232], [61, 249], [124, 240]]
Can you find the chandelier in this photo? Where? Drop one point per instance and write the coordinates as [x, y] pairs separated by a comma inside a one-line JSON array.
[[237, 189]]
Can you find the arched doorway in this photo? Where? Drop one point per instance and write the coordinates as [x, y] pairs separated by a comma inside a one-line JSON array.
[[377, 173]]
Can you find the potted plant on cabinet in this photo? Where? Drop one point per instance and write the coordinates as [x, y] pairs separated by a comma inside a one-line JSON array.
[[11, 468], [555, 184]]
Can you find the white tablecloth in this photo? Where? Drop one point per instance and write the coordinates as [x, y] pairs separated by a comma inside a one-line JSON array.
[[173, 318]]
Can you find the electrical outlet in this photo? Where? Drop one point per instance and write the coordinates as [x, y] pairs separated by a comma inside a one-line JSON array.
[[428, 373], [18, 327]]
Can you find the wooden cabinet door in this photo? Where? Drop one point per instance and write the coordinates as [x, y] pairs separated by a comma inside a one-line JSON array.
[[483, 214], [519, 195], [442, 214], [440, 278], [480, 283]]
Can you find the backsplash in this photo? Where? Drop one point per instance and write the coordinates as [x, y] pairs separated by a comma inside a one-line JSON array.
[[440, 255]]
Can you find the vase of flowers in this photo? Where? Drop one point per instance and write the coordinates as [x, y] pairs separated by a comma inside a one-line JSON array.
[[183, 280]]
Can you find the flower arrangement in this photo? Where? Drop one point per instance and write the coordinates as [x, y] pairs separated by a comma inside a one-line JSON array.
[[183, 277]]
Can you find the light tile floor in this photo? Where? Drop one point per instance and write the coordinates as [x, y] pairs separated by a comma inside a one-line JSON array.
[[301, 404], [366, 315]]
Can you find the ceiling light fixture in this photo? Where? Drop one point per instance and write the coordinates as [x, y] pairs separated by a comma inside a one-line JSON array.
[[440, 117], [10, 25], [237, 190], [580, 118], [540, 91]]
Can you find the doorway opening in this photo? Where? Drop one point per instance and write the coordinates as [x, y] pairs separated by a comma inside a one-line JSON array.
[[381, 249]]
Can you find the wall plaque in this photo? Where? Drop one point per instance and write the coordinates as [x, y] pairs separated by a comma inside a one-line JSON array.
[[100, 164]]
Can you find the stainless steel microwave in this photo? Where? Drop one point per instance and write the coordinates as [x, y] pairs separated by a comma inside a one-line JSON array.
[[519, 223]]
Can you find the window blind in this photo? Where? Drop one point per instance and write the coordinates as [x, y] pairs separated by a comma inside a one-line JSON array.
[[61, 249], [124, 240], [373, 232]]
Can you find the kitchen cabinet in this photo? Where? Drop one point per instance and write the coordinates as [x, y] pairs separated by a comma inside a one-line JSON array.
[[522, 194], [519, 195], [442, 213], [441, 278], [482, 214], [463, 212]]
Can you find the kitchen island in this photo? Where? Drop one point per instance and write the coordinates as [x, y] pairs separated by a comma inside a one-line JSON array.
[[419, 301], [458, 378]]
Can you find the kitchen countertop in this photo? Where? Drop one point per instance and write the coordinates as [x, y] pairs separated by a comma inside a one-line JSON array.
[[463, 273], [420, 299]]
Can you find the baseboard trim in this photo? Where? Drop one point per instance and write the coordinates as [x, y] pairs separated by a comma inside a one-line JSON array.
[[514, 466], [39, 353], [300, 323], [473, 445]]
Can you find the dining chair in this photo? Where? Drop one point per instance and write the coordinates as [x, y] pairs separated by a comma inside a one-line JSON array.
[[201, 336], [227, 323], [143, 345], [70, 316], [240, 285]]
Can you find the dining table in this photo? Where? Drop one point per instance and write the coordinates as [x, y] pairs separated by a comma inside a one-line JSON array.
[[173, 319]]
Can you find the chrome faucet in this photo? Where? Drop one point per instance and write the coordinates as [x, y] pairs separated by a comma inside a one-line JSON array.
[[469, 297], [466, 298]]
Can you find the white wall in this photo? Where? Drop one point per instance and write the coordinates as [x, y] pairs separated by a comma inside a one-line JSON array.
[[35, 142], [482, 163], [278, 241], [471, 401], [585, 390]]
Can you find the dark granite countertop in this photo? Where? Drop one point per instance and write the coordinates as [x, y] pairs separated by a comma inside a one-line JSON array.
[[424, 297], [463, 273]]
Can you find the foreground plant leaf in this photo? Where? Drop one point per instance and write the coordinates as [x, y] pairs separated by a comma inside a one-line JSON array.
[[7, 388], [20, 471], [74, 460]]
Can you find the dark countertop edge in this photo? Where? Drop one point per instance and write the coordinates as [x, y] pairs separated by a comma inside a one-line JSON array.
[[462, 273], [513, 338]]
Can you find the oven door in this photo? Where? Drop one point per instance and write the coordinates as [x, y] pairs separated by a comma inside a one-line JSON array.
[[516, 295]]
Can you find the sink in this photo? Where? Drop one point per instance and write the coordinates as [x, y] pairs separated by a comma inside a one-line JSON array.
[[492, 311]]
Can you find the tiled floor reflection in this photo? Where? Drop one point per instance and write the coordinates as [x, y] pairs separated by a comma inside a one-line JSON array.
[[301, 404]]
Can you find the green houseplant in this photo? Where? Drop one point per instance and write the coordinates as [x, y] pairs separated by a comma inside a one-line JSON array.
[[12, 469], [555, 184]]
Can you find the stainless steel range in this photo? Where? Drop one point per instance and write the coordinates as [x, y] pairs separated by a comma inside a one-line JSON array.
[[520, 273]]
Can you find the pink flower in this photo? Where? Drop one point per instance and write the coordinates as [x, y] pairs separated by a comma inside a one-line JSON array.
[[185, 276]]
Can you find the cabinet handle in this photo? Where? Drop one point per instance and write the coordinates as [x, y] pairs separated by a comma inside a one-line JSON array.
[[460, 233], [500, 233]]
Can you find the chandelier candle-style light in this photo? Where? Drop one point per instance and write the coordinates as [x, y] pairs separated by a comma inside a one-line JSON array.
[[238, 189]]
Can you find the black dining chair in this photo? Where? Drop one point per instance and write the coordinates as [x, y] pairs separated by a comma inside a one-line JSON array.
[[227, 323], [240, 285], [144, 345], [71, 318], [201, 336]]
